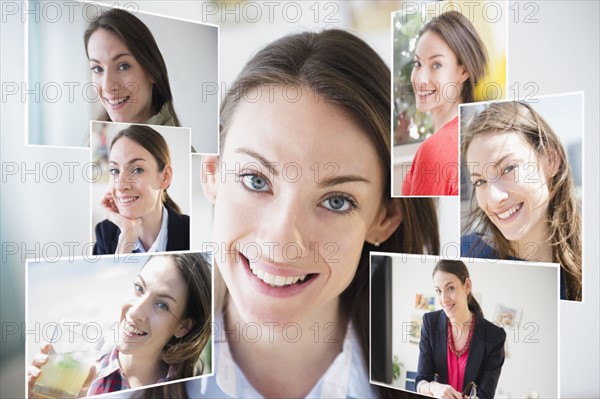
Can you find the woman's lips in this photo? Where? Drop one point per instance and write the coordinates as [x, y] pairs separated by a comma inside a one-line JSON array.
[[510, 213], [126, 201], [117, 103], [276, 284]]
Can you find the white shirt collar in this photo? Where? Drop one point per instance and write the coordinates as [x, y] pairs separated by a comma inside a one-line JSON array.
[[345, 377], [160, 244]]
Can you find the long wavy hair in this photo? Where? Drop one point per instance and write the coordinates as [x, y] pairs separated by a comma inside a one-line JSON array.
[[156, 145], [464, 41], [563, 215], [184, 353], [139, 41]]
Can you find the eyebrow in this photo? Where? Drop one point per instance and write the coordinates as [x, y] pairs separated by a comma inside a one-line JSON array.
[[116, 57], [433, 56], [269, 165], [161, 295], [129, 162], [498, 162], [333, 181]]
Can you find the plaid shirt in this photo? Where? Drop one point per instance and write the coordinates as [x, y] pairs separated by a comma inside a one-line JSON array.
[[110, 377]]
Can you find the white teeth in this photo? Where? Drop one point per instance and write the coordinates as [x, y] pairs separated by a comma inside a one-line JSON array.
[[118, 102], [425, 93], [275, 280], [509, 213], [127, 200], [131, 329]]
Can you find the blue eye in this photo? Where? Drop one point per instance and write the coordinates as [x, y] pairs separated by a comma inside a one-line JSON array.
[[113, 171], [437, 65], [97, 69], [339, 204], [479, 183], [137, 171], [124, 66], [162, 306], [138, 288], [509, 169], [255, 182], [416, 64]]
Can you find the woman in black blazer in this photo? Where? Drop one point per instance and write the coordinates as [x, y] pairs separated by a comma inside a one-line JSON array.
[[141, 217], [458, 346]]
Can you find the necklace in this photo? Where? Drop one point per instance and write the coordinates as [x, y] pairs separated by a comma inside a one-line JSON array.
[[467, 344]]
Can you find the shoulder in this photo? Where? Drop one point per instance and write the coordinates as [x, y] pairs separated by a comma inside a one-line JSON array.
[[474, 245], [107, 230], [492, 332]]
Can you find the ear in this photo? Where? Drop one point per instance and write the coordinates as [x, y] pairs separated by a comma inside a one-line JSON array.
[[209, 177], [464, 75], [167, 177], [386, 222], [183, 328], [468, 285]]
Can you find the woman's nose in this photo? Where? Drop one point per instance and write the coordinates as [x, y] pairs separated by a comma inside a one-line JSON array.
[[110, 84], [420, 78], [138, 310], [284, 231], [496, 193], [122, 181]]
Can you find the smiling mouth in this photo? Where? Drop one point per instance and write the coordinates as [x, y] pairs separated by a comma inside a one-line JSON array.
[[116, 103], [128, 200], [507, 214], [276, 281], [131, 330]]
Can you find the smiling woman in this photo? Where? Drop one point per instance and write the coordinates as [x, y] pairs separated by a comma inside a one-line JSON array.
[[526, 202], [141, 216], [450, 59], [128, 70], [162, 330], [458, 349]]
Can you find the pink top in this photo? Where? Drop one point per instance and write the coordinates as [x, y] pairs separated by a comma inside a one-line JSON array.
[[456, 369], [434, 170]]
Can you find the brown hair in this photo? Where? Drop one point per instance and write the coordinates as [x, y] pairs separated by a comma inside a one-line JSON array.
[[563, 206], [464, 41], [156, 145], [184, 353], [139, 40], [459, 269]]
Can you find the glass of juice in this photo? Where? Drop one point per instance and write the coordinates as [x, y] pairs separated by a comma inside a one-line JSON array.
[[68, 366]]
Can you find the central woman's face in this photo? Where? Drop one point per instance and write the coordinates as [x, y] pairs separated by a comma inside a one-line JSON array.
[[152, 316], [123, 86], [510, 185], [298, 189], [437, 76], [135, 182]]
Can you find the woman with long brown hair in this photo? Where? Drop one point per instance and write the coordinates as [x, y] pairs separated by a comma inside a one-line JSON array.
[[128, 70], [526, 205], [460, 352], [450, 59], [141, 216]]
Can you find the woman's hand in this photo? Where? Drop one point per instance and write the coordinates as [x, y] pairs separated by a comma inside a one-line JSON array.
[[444, 391], [130, 228], [34, 370]]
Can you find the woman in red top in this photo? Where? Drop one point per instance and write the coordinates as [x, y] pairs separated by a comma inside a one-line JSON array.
[[450, 58], [458, 346]]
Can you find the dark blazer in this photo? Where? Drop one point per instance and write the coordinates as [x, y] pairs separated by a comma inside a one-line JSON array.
[[178, 234], [486, 353]]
